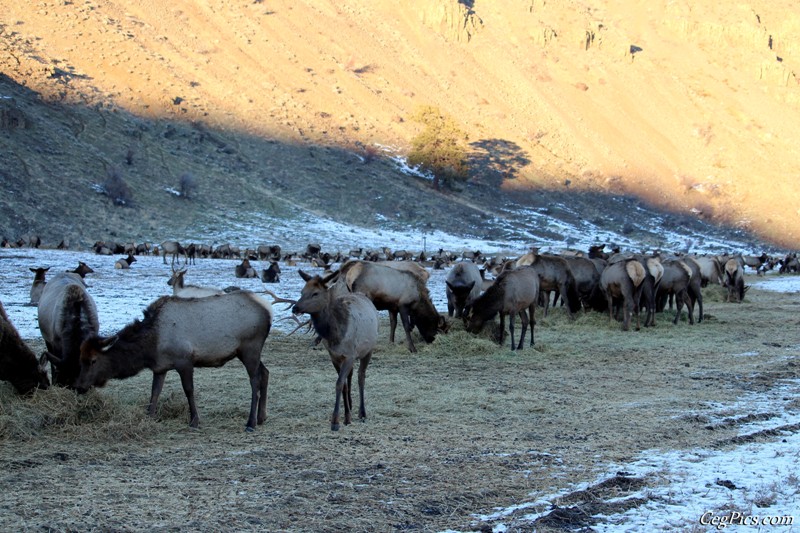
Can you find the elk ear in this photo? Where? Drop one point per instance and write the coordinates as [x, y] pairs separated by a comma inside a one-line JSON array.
[[469, 287], [106, 342], [449, 285], [333, 276], [32, 269], [43, 360], [303, 275]]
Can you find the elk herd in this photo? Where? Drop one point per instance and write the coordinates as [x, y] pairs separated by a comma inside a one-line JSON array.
[[208, 326]]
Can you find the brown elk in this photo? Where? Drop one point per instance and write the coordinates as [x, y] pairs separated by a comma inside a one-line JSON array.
[[82, 269], [67, 315], [622, 283], [513, 292], [399, 292], [734, 281], [18, 364], [183, 334], [181, 290], [245, 270], [676, 282], [587, 281], [463, 286], [271, 274], [554, 275], [172, 248], [124, 263], [710, 269], [38, 284], [348, 325]]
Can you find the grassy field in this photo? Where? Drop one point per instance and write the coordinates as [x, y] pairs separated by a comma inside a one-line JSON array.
[[459, 428]]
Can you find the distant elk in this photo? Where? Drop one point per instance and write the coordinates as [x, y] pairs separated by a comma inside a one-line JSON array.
[[245, 270], [513, 292], [348, 325], [67, 315], [734, 281], [181, 290], [271, 274], [554, 275], [18, 364], [82, 269], [124, 263], [272, 252], [172, 248], [38, 284], [182, 334]]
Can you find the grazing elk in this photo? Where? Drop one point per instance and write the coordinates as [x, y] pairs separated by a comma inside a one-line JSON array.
[[124, 263], [399, 292], [348, 324], [172, 248], [183, 334], [67, 316], [38, 284], [554, 275], [18, 364], [245, 270], [587, 282], [463, 286], [734, 281], [622, 283], [513, 292], [181, 290], [676, 282], [271, 274]]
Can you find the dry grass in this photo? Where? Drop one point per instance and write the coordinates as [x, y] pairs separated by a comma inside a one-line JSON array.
[[459, 428]]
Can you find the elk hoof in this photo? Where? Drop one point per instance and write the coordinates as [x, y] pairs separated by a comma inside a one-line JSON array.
[[249, 429], [335, 427]]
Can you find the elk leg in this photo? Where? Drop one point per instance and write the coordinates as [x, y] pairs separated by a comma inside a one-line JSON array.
[[511, 328], [532, 313], [523, 317], [348, 399], [187, 380], [407, 327], [678, 306], [502, 328], [155, 392], [689, 306], [262, 396], [341, 383], [393, 325], [362, 378]]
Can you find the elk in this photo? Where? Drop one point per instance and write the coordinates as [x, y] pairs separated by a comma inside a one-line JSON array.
[[125, 262], [38, 284], [710, 269], [183, 334], [188, 291], [587, 281], [172, 248], [399, 292], [623, 281], [245, 270], [18, 364], [272, 274], [513, 292], [348, 325], [554, 275], [82, 269], [463, 286], [734, 281], [67, 316], [676, 281]]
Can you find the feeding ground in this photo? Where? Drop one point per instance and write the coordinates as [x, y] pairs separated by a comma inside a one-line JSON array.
[[592, 428]]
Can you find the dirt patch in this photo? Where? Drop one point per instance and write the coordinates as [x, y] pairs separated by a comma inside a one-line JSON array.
[[457, 430]]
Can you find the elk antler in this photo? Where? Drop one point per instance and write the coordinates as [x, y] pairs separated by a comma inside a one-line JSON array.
[[300, 324], [278, 300]]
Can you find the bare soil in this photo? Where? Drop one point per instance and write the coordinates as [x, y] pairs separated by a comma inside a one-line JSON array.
[[460, 428]]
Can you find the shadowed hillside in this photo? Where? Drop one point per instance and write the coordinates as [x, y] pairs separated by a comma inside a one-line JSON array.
[[271, 108]]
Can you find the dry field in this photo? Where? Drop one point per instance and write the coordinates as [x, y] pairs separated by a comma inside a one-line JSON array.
[[460, 428]]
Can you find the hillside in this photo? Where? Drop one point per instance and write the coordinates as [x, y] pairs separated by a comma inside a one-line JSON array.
[[269, 106]]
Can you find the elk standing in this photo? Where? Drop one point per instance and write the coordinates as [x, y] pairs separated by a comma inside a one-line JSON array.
[[181, 334], [513, 292], [38, 284], [348, 324]]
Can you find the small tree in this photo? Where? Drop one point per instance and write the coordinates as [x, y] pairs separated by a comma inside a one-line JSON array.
[[187, 185], [115, 188], [440, 148]]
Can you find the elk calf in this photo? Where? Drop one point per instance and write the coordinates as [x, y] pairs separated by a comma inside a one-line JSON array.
[[38, 284], [348, 325]]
